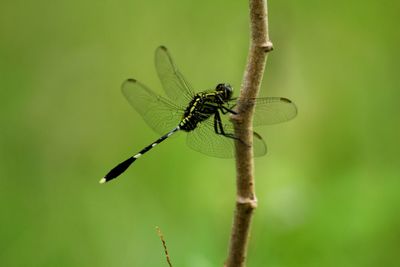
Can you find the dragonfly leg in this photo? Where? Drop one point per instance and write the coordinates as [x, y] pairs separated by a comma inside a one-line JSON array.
[[216, 125], [225, 110], [219, 128]]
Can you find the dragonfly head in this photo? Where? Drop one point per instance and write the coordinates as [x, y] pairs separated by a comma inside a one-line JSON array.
[[226, 91]]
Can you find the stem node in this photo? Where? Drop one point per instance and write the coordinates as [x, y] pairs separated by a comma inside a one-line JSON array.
[[267, 46]]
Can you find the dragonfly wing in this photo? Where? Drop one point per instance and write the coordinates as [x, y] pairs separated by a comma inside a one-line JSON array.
[[273, 110], [259, 145], [173, 82], [204, 139], [158, 112]]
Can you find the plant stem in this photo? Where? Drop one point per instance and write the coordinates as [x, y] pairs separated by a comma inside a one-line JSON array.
[[246, 200]]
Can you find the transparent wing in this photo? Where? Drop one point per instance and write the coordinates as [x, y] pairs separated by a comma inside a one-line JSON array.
[[204, 139], [259, 145], [158, 112], [173, 82], [271, 110]]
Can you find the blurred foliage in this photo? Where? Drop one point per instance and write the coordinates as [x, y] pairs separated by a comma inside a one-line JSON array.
[[328, 190]]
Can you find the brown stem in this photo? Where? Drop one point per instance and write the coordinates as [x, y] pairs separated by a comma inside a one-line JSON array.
[[246, 200]]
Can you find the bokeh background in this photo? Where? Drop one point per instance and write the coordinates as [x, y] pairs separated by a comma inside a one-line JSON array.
[[328, 190]]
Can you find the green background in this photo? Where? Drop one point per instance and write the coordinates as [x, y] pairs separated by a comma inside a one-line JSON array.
[[328, 190]]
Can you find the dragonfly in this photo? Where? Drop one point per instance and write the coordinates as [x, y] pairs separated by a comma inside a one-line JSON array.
[[203, 115]]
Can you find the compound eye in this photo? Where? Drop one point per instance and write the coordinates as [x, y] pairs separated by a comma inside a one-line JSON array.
[[220, 87]]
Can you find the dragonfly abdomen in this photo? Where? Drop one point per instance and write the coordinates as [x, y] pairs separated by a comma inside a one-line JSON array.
[[120, 168]]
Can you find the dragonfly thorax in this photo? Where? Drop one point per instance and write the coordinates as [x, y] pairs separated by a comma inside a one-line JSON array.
[[204, 105]]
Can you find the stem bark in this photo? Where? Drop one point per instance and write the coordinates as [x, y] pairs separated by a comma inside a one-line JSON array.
[[246, 200]]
